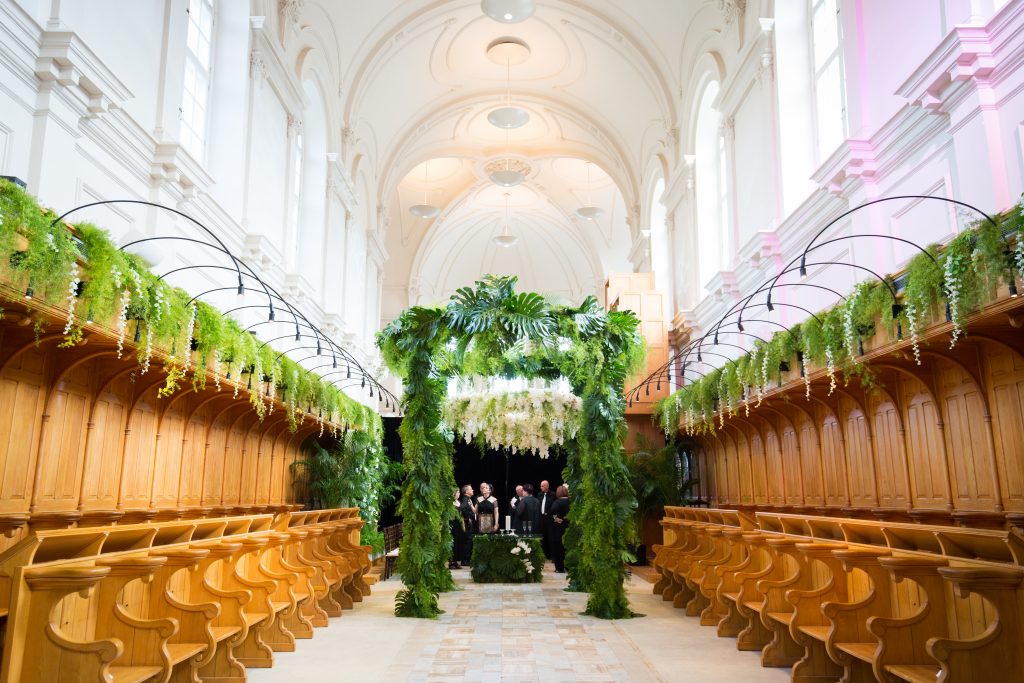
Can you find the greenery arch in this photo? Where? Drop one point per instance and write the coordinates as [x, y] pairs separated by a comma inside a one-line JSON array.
[[491, 330]]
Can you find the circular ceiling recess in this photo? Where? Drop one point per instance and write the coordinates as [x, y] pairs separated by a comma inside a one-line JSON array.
[[509, 118], [508, 51], [508, 11]]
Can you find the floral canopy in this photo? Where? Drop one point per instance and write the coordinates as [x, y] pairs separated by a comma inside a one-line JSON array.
[[491, 331]]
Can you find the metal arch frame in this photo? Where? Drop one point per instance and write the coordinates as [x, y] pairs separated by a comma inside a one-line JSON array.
[[239, 264]]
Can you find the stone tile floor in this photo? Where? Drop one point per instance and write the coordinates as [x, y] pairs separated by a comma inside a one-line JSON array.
[[516, 633]]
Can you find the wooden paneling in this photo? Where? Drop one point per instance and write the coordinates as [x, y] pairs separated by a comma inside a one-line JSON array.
[[941, 441], [82, 431]]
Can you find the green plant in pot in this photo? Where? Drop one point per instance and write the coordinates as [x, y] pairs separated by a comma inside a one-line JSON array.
[[659, 477]]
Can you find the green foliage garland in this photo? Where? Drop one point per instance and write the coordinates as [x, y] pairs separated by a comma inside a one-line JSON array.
[[495, 562], [119, 290], [964, 274], [491, 330]]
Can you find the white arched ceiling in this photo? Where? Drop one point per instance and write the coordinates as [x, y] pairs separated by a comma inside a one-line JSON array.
[[600, 87]]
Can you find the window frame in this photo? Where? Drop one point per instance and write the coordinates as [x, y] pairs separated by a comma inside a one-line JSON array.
[[195, 143], [817, 72]]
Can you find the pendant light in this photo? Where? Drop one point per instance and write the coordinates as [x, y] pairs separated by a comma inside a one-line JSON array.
[[426, 209], [508, 11], [589, 212], [506, 239], [507, 117], [508, 176]]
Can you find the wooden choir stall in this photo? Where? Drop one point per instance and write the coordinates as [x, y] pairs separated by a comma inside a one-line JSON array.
[[871, 534], [148, 538]]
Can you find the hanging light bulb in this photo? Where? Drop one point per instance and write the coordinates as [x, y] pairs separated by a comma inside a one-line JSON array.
[[506, 238], [426, 209], [589, 212]]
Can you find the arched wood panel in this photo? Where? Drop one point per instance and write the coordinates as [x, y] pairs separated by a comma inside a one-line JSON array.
[[1004, 372], [139, 452], [777, 482], [169, 453], [968, 438], [893, 488], [833, 457], [758, 464], [62, 442], [860, 455], [926, 446], [23, 387]]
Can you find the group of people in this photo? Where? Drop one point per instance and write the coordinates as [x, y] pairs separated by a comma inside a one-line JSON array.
[[545, 514]]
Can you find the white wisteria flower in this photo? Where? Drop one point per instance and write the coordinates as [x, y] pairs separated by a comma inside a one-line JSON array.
[[530, 421]]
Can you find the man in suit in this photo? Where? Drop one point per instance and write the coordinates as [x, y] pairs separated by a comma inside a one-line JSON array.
[[528, 511], [513, 505], [546, 497]]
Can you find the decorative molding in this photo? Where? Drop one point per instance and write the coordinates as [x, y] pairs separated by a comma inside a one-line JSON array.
[[291, 11], [65, 60], [172, 164], [339, 183], [723, 287], [732, 11], [268, 63]]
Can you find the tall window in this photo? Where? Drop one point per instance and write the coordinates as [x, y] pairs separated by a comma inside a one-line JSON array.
[[297, 162], [711, 187], [826, 56], [196, 95]]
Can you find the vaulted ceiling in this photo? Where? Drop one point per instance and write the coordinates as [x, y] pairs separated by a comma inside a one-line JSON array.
[[601, 84]]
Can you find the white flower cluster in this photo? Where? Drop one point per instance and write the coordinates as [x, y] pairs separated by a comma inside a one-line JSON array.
[[521, 547], [849, 333], [807, 370], [1018, 256], [189, 331], [830, 368], [952, 287], [525, 421], [912, 323], [72, 298]]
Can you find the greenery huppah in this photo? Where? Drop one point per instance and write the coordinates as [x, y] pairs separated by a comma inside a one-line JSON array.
[[492, 331]]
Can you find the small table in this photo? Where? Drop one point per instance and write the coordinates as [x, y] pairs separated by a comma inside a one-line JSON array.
[[507, 559]]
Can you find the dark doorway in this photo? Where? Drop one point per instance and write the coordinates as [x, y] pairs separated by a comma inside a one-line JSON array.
[[472, 467]]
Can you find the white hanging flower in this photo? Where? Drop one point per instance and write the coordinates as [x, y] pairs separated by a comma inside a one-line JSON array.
[[72, 298], [912, 324], [807, 370], [516, 550], [122, 320], [952, 287], [189, 331], [849, 333], [830, 368]]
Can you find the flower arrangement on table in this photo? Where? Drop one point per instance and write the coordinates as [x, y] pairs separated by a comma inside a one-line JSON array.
[[507, 559]]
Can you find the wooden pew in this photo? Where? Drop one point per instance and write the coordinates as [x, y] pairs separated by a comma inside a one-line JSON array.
[[852, 599], [183, 600]]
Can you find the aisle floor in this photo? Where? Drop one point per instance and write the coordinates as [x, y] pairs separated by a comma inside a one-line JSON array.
[[506, 633]]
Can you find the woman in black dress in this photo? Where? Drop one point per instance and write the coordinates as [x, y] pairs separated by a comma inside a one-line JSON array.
[[559, 513], [458, 533], [486, 511], [468, 509]]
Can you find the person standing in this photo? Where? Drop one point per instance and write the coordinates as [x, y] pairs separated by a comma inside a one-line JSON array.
[[513, 507], [528, 512], [546, 497], [486, 510], [467, 508], [559, 522], [458, 533]]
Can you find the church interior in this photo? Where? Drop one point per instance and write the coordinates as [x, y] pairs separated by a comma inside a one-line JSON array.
[[511, 340]]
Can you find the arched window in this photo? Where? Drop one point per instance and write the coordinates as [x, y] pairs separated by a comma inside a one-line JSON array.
[[195, 96], [660, 245], [827, 77], [711, 187]]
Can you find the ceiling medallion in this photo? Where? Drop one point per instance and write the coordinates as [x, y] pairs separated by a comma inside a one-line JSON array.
[[508, 51], [508, 11], [507, 172]]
